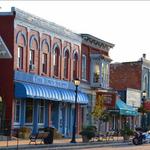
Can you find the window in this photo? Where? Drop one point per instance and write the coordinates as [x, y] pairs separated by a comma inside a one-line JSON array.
[[66, 63], [44, 63], [145, 83], [105, 74], [75, 66], [96, 73], [20, 58], [41, 111], [29, 111], [17, 111], [56, 61], [84, 67], [31, 56]]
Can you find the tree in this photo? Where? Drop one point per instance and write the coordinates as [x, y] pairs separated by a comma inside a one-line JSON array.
[[99, 107]]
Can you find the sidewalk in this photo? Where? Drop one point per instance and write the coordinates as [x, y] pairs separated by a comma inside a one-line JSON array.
[[59, 144]]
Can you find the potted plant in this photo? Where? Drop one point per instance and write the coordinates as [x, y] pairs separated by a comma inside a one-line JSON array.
[[24, 132], [88, 133], [126, 132]]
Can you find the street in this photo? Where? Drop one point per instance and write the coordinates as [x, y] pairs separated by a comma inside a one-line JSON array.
[[129, 147]]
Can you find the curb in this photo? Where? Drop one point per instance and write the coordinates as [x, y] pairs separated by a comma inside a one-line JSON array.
[[68, 145]]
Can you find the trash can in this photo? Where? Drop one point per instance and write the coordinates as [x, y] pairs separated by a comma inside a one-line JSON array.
[[49, 139]]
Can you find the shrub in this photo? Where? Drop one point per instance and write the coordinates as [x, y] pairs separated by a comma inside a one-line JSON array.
[[88, 131]]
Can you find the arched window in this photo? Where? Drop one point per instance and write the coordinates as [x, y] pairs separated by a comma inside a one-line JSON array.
[[75, 66], [20, 58], [66, 63], [56, 61]]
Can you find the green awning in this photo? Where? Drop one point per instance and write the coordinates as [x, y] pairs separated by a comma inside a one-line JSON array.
[[125, 109]]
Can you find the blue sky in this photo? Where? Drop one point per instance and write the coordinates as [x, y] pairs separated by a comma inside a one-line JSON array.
[[123, 23]]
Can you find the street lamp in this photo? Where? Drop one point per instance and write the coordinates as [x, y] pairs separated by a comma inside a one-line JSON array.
[[76, 83], [144, 94]]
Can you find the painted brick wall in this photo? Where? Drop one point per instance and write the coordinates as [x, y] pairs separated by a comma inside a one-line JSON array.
[[126, 75], [38, 52], [6, 65]]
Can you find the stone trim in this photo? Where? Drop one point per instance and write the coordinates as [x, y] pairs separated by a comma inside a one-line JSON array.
[[32, 21]]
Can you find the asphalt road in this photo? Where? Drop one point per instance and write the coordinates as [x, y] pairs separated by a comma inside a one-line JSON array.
[[129, 147]]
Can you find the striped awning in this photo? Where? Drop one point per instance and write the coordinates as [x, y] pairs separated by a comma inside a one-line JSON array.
[[35, 91]]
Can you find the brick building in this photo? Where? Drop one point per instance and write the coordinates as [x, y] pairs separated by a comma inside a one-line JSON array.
[[36, 84], [95, 73], [134, 75]]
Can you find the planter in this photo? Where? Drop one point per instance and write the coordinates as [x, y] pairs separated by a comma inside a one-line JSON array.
[[126, 137], [85, 139], [24, 135]]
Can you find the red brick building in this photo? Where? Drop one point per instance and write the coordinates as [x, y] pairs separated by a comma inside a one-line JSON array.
[[95, 72], [36, 84], [134, 75]]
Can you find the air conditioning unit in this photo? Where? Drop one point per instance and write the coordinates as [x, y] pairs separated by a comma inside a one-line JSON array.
[[31, 66]]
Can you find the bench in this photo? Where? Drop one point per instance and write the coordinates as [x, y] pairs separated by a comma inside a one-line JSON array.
[[38, 136]]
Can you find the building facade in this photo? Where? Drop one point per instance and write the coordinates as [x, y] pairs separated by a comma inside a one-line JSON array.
[[95, 74], [37, 88], [132, 75]]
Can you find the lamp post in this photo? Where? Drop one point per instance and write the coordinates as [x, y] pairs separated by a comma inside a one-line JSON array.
[[76, 83], [144, 94]]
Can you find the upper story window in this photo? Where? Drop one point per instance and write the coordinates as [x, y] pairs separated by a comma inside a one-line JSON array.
[[20, 58], [17, 110], [83, 67], [31, 56], [32, 59], [56, 62], [66, 63], [96, 73], [41, 111], [105, 73], [44, 63], [75, 66], [145, 83]]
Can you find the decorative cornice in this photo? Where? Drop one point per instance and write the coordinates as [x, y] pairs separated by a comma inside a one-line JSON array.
[[37, 22], [95, 42]]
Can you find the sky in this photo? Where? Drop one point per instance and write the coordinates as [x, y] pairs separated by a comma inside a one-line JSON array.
[[123, 23]]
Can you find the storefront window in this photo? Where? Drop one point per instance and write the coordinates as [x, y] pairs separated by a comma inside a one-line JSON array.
[[29, 111], [20, 58], [17, 110], [41, 111]]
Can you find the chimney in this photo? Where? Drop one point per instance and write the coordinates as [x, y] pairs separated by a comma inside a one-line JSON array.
[[144, 56]]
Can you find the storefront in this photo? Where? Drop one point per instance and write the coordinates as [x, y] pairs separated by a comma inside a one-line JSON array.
[[127, 114], [42, 102]]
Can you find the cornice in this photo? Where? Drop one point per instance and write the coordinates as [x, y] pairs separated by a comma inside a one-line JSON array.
[[95, 42], [37, 22]]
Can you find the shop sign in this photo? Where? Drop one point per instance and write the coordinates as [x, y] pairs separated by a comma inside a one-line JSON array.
[[32, 78], [109, 98], [133, 97], [147, 105]]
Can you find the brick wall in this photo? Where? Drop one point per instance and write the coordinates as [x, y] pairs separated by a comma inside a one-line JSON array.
[[36, 45], [126, 75]]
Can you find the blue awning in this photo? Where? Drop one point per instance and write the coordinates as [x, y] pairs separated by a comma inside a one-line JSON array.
[[125, 109], [27, 90], [35, 91], [69, 96]]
